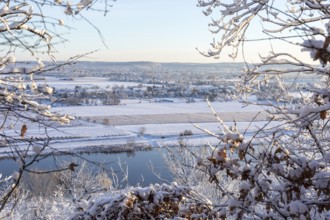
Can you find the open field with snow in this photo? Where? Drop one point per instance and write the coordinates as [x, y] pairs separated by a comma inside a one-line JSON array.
[[130, 126], [178, 118], [140, 119], [157, 108], [165, 113]]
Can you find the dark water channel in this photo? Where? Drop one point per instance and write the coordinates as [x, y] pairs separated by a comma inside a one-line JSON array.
[[137, 163]]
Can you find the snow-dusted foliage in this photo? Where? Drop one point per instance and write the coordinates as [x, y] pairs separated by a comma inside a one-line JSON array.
[[283, 171], [24, 27], [82, 183], [55, 195], [153, 202]]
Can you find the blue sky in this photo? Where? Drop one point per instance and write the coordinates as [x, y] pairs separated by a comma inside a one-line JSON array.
[[145, 30]]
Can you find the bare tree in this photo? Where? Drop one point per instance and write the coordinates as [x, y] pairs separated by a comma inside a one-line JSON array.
[[141, 131], [25, 27]]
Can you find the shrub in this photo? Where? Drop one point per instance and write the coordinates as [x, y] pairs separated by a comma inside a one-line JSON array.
[[186, 133], [153, 202]]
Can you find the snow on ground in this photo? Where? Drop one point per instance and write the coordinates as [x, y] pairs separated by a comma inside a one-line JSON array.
[[156, 108], [178, 118], [162, 124], [169, 134], [176, 129]]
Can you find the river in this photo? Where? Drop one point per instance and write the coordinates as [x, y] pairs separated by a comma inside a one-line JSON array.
[[137, 163]]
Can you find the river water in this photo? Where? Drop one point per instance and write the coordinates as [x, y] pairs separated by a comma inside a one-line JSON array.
[[137, 163]]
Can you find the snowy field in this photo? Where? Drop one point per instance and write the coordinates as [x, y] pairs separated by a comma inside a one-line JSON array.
[[157, 108], [118, 128]]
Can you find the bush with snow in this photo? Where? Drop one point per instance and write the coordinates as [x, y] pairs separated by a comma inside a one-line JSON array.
[[153, 202]]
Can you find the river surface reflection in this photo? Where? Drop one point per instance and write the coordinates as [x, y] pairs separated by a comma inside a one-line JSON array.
[[137, 163]]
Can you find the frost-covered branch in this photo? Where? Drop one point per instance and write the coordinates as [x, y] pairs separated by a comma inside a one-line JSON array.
[[280, 171], [25, 27]]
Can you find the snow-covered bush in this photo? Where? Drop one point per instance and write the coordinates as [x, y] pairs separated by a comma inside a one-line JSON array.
[[182, 161], [83, 182], [153, 202], [55, 195]]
